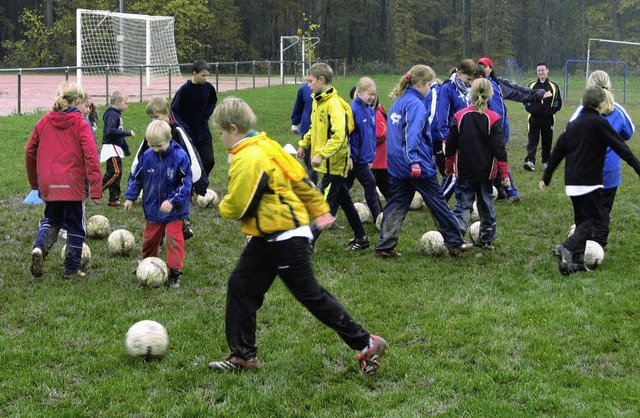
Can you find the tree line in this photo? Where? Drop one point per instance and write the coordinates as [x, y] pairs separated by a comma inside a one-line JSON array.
[[380, 35]]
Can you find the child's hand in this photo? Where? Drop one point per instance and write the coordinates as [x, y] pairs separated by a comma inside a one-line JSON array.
[[316, 161], [506, 182], [542, 185], [96, 201], [325, 221], [301, 152], [128, 204], [166, 207]]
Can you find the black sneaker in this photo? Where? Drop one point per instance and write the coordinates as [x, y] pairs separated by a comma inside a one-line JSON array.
[[564, 259], [529, 166], [187, 232], [358, 244], [388, 253], [235, 363]]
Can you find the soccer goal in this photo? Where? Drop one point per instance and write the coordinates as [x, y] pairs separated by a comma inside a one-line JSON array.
[[129, 44], [574, 83]]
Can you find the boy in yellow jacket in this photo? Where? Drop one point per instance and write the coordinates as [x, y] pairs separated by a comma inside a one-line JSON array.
[[328, 142], [274, 200]]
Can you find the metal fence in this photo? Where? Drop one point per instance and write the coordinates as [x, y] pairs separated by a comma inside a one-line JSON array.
[[29, 90]]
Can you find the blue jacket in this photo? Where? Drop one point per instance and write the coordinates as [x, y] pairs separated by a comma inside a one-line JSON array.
[[430, 102], [164, 176], [192, 106], [301, 114], [113, 131], [450, 101], [407, 141], [622, 124], [496, 103], [362, 140]]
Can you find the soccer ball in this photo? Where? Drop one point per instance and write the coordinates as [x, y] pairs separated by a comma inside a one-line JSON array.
[[85, 258], [494, 193], [474, 231], [363, 212], [121, 242], [432, 243], [147, 339], [152, 271], [379, 221], [210, 198], [593, 254], [98, 226], [475, 215], [380, 195], [416, 202]]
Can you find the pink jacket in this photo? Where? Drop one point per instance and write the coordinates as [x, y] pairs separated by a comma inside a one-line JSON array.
[[62, 157]]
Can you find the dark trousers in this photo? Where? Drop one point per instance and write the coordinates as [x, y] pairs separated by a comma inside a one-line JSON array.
[[259, 264], [540, 129], [363, 174], [396, 209], [601, 230], [112, 177], [382, 181], [587, 213], [70, 216], [313, 174], [336, 193], [205, 150]]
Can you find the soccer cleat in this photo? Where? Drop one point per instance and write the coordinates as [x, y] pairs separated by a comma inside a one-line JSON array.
[[370, 360], [388, 253], [513, 199], [115, 203], [187, 232], [529, 166], [174, 279], [235, 363], [456, 251], [358, 244], [74, 275], [485, 246], [37, 262], [577, 267], [564, 259]]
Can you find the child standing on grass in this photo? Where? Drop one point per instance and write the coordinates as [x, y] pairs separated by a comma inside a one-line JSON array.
[[584, 145], [164, 171], [114, 146], [62, 164], [475, 153], [275, 202], [328, 143]]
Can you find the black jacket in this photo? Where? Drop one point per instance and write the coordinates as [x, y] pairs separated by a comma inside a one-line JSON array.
[[549, 106]]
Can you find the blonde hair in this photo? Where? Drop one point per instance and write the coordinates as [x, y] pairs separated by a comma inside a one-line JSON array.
[[601, 79], [157, 106], [68, 93], [364, 84], [481, 91], [320, 69], [117, 96], [417, 73], [158, 132], [234, 111]]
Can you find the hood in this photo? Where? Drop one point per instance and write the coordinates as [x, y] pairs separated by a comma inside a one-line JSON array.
[[64, 119]]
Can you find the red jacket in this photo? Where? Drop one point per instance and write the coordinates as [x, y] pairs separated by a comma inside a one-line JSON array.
[[380, 160], [62, 157]]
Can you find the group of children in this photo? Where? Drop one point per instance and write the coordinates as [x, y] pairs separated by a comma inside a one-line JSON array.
[[282, 210]]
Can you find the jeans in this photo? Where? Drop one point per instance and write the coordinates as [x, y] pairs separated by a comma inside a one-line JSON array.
[[482, 192]]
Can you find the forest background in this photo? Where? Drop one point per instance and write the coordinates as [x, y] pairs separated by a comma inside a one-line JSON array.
[[374, 36]]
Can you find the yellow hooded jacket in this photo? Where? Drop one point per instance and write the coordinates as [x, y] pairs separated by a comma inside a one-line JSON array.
[[328, 137], [269, 191]]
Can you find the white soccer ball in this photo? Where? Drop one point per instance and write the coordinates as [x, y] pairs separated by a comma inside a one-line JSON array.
[[432, 243], [572, 229], [380, 196], [152, 272], [379, 221], [417, 202], [85, 258], [363, 212], [475, 215], [474, 231], [121, 242], [494, 193], [147, 339], [593, 254], [98, 226], [210, 198]]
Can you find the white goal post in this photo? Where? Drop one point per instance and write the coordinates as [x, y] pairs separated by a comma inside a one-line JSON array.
[[606, 41], [125, 42]]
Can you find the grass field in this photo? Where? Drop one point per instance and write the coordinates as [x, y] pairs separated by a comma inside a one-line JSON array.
[[485, 334]]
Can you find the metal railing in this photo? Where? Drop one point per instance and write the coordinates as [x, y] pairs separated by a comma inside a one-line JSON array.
[[33, 89]]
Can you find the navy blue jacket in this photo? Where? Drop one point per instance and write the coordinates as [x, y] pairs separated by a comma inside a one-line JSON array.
[[113, 131], [191, 108], [301, 114]]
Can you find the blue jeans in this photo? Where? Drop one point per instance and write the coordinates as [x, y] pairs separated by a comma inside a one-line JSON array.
[[397, 207], [482, 192], [363, 174]]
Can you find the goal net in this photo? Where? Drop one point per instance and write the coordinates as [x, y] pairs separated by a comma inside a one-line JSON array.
[[117, 49]]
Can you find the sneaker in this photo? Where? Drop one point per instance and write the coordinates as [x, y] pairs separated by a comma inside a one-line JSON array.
[[235, 363], [564, 259], [456, 251], [529, 166], [576, 267], [388, 253], [513, 199], [115, 203], [370, 360], [485, 246], [37, 262], [74, 275], [358, 244], [174, 279]]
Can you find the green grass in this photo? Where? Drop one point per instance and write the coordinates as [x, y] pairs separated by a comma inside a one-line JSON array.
[[486, 334]]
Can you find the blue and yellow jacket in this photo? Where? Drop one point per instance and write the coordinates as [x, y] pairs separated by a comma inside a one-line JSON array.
[[269, 192]]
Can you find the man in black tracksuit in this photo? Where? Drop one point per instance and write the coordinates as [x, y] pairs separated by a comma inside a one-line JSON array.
[[541, 118], [584, 145]]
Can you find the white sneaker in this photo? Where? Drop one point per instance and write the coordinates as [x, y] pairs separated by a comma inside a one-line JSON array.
[[529, 166]]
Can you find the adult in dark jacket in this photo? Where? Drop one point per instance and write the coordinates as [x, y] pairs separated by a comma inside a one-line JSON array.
[[584, 145]]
